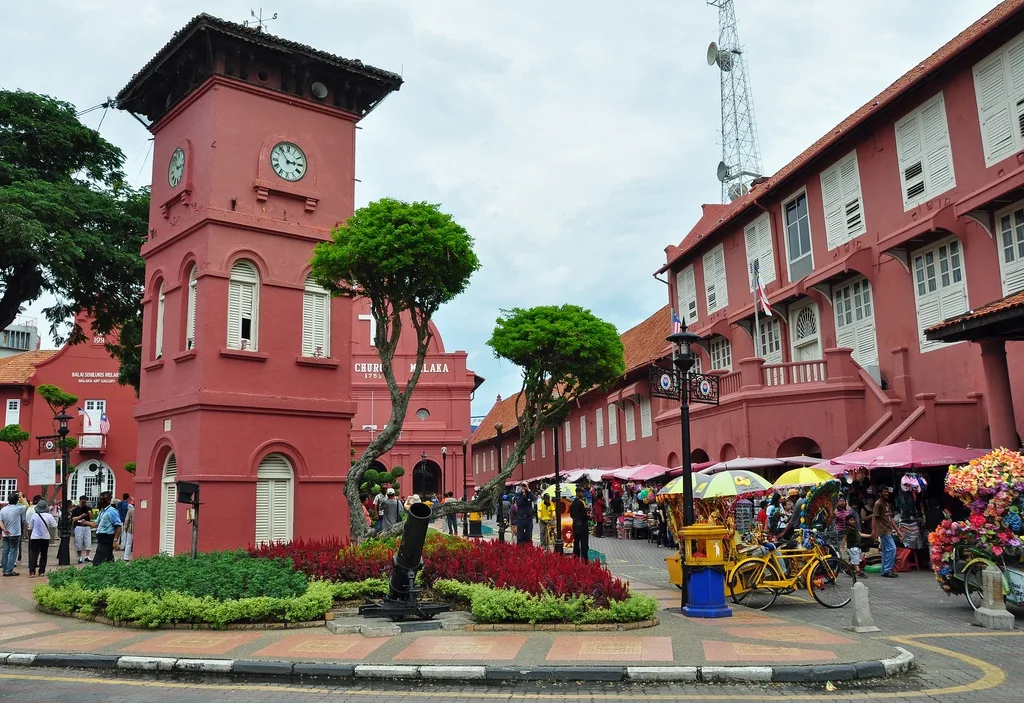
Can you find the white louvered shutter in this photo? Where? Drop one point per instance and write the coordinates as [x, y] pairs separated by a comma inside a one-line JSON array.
[[686, 295], [758, 238], [168, 517], [831, 197], [990, 87], [316, 312], [911, 158], [720, 281], [865, 349], [159, 346], [281, 524], [630, 422], [937, 152], [599, 423], [263, 511], [613, 425], [646, 426], [568, 436], [308, 303], [235, 315], [929, 312], [852, 205], [190, 315], [714, 279], [583, 431]]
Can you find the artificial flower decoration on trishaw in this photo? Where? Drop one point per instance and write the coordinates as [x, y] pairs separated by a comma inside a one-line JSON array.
[[992, 487], [713, 495]]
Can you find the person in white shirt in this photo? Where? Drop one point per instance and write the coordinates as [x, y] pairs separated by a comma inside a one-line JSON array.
[[39, 522], [128, 531]]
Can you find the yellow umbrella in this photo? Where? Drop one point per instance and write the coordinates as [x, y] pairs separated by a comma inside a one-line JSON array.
[[568, 490], [803, 476]]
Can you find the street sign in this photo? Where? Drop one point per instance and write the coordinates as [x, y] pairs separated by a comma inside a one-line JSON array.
[[42, 472], [663, 383], [702, 388]]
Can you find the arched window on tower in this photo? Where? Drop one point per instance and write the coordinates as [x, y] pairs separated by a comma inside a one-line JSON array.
[[274, 500], [316, 320], [243, 306], [190, 314], [158, 346]]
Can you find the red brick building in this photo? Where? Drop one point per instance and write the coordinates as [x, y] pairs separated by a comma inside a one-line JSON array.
[[106, 433]]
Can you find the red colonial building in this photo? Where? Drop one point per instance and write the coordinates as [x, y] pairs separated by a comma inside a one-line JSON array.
[[105, 430], [908, 213]]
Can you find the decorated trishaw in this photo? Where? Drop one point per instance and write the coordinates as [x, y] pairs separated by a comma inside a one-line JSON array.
[[567, 492], [992, 488]]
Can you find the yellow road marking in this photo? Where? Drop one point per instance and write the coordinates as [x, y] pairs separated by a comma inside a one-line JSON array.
[[991, 677]]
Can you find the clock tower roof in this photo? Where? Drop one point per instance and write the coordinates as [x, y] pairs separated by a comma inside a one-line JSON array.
[[209, 46]]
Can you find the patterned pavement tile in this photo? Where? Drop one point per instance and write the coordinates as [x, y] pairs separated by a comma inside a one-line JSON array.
[[745, 652], [496, 648], [76, 640], [25, 629], [192, 643], [611, 649], [322, 647], [792, 633], [19, 618]]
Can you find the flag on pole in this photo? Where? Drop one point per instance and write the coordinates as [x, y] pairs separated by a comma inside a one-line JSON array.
[[677, 325], [760, 294], [104, 423]]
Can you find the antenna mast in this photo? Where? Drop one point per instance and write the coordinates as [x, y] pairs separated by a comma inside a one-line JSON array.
[[741, 157]]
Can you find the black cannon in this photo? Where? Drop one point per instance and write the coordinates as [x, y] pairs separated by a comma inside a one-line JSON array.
[[401, 600]]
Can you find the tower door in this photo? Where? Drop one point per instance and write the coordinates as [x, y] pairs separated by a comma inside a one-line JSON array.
[[168, 511]]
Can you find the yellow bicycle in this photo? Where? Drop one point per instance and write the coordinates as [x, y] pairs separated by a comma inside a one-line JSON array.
[[756, 582]]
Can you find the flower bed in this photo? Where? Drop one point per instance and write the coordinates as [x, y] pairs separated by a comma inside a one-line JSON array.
[[992, 487]]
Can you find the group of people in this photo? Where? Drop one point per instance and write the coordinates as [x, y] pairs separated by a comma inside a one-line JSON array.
[[36, 522]]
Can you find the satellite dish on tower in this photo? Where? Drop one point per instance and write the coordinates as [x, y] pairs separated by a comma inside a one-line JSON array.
[[722, 172], [712, 53], [738, 190], [318, 89]]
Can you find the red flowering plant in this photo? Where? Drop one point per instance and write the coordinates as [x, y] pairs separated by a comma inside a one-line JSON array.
[[500, 565], [991, 487]]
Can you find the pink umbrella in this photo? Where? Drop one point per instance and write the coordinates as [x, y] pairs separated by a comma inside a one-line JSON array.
[[911, 454], [745, 463], [699, 466]]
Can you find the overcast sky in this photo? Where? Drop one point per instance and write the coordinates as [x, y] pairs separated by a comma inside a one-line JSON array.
[[574, 139]]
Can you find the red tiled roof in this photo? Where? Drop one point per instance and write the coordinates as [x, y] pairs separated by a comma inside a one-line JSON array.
[[16, 370], [503, 411], [1009, 302], [641, 345], [708, 223]]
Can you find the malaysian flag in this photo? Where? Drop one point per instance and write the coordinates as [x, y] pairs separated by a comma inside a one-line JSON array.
[[677, 325], [104, 423], [760, 294]]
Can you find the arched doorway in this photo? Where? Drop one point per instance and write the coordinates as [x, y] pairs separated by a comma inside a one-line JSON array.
[[795, 446], [379, 466], [274, 500], [169, 504], [699, 456], [673, 460], [728, 452], [89, 479], [426, 478]]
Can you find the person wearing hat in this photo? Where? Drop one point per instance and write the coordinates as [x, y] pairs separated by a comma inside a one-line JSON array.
[[524, 500], [390, 511], [882, 529], [39, 523]]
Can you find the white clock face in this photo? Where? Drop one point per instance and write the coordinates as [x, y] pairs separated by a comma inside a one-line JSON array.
[[176, 168], [288, 161]]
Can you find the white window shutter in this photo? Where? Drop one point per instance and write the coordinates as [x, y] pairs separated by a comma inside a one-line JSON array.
[[583, 431], [322, 325], [168, 516], [599, 423], [750, 240], [767, 251], [953, 301], [720, 280], [630, 422], [831, 196], [846, 336], [543, 447], [613, 425], [929, 313], [852, 205], [938, 156], [646, 426], [159, 346], [710, 282], [686, 295], [263, 503], [235, 315], [568, 436], [910, 149], [308, 304], [994, 109], [865, 349], [281, 499], [190, 316], [13, 416]]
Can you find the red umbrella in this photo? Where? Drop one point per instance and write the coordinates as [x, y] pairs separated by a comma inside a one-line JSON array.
[[678, 471], [911, 454]]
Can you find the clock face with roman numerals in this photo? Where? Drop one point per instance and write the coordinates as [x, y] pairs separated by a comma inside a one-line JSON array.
[[176, 168], [288, 161]]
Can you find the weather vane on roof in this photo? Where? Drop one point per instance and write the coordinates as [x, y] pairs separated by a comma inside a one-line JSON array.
[[257, 21]]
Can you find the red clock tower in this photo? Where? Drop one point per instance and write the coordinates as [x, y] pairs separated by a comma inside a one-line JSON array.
[[246, 374]]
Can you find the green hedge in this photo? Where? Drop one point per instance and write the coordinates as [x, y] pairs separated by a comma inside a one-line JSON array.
[[152, 610], [218, 575], [499, 605]]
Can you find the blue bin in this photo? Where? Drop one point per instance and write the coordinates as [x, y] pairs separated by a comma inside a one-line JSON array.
[[705, 593]]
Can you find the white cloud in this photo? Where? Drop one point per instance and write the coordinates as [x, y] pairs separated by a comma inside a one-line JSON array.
[[575, 140]]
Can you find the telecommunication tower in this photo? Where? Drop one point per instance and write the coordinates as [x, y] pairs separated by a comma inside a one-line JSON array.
[[741, 157]]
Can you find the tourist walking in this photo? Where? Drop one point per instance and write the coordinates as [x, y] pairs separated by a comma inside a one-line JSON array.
[[83, 534], [524, 514], [453, 523], [128, 532], [108, 527], [598, 513], [12, 523], [122, 512], [390, 511], [580, 527], [546, 515], [882, 528], [39, 523]]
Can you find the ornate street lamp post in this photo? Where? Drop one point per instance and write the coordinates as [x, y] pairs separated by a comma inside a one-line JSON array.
[[559, 545], [64, 548], [444, 467], [423, 473], [683, 361], [501, 490], [465, 487]]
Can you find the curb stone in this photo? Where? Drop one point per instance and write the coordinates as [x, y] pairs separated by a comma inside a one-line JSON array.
[[262, 669]]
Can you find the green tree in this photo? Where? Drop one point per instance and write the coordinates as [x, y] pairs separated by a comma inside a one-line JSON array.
[[563, 352], [15, 437], [70, 225], [407, 259]]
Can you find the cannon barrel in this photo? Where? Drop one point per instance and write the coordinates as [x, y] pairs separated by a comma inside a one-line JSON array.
[[410, 554]]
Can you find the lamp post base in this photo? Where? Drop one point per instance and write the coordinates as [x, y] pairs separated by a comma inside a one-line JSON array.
[[559, 546], [705, 593]]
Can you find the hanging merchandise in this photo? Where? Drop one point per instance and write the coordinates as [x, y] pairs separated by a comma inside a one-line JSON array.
[[913, 482]]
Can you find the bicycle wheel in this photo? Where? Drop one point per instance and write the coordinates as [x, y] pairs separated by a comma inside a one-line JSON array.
[[743, 583], [972, 584], [831, 582]]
